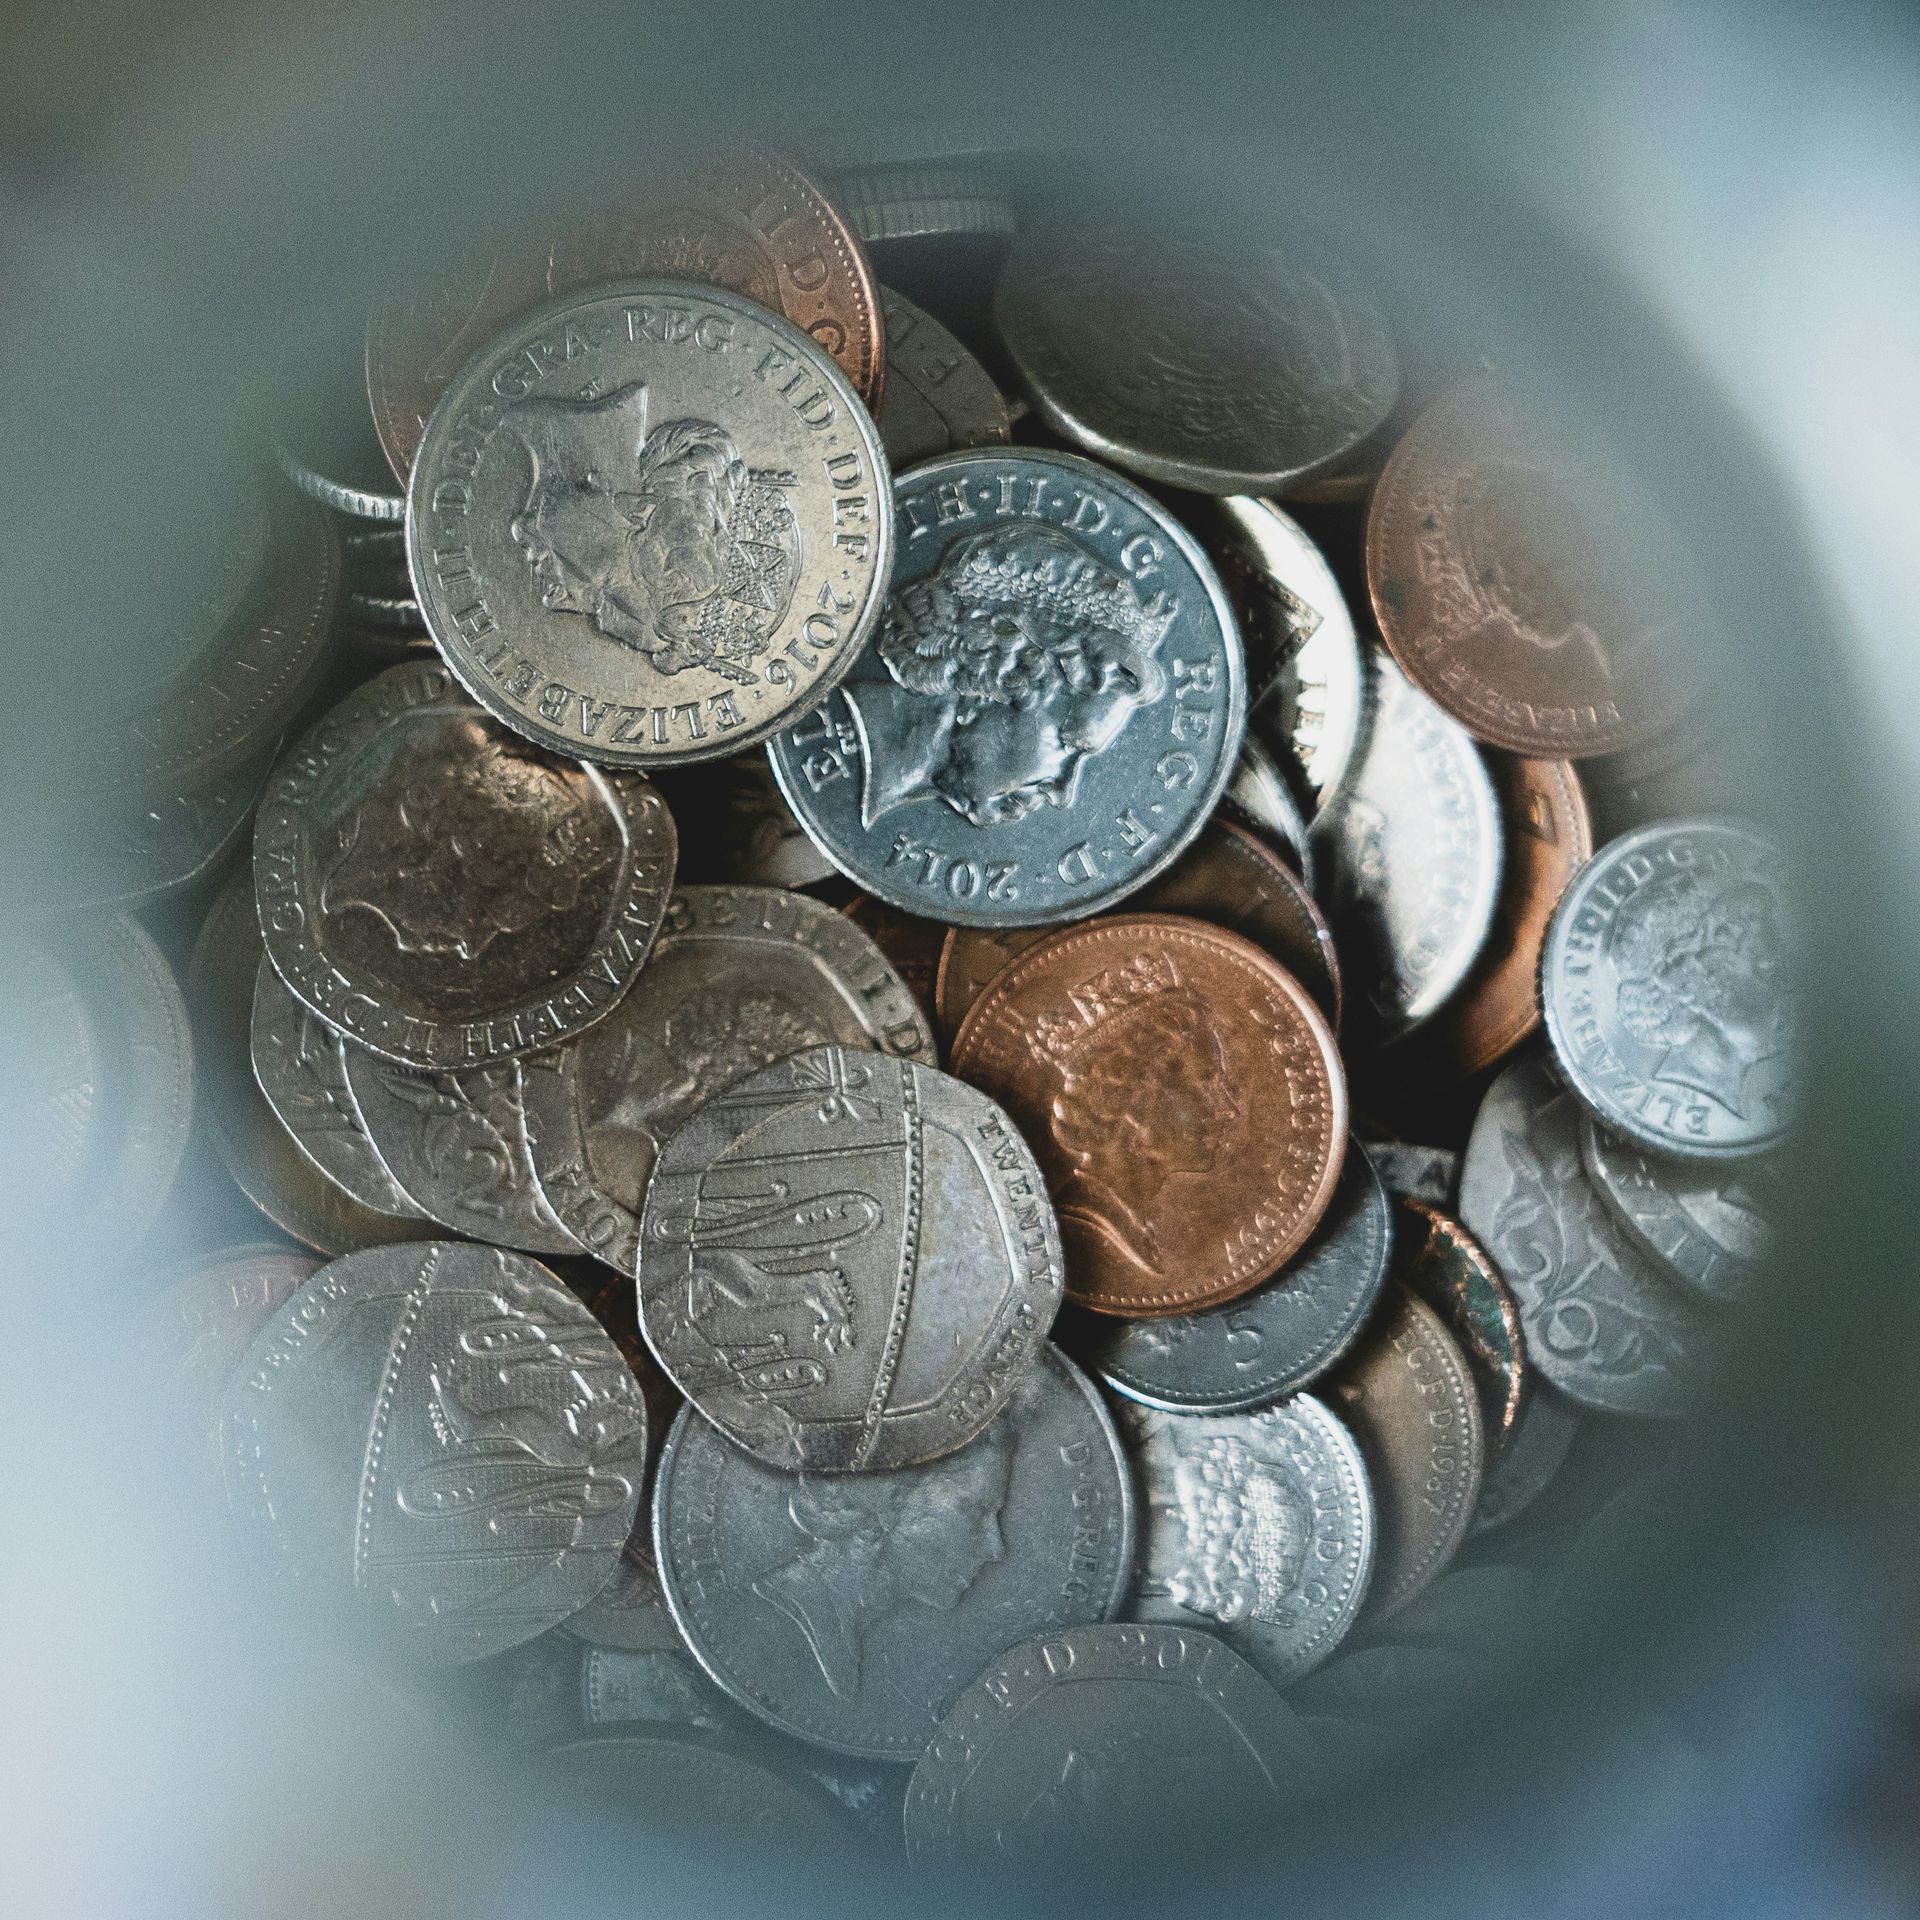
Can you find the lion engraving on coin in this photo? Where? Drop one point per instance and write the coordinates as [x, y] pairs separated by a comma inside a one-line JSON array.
[[1245, 1530], [1016, 661], [664, 539]]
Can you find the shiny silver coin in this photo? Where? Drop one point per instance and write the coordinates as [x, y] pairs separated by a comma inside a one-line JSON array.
[[649, 523], [357, 503], [1050, 711], [1260, 796], [739, 978], [1254, 1526], [1412, 854], [1411, 1171], [662, 1687], [1538, 1450], [1666, 984], [918, 201], [1237, 369], [441, 1436], [849, 1609], [848, 1261], [1106, 1748], [1264, 1345], [1602, 1322], [445, 895], [1706, 1227], [939, 397]]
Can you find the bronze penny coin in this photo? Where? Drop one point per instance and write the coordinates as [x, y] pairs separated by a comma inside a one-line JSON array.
[[1549, 838], [911, 945], [1509, 589], [753, 225], [1183, 1096], [1229, 877]]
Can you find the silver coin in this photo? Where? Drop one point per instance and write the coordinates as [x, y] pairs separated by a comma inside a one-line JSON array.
[[1264, 1345], [1667, 992], [1050, 711], [1412, 852], [300, 1064], [1255, 1526], [54, 1122], [1306, 675], [1411, 1171], [919, 201], [218, 559], [1237, 369], [443, 1436], [1259, 794], [1706, 1227], [1601, 1322], [850, 1609], [357, 503], [939, 397], [649, 523], [442, 893], [1106, 1748], [1518, 1477], [663, 1686], [848, 1261], [739, 978]]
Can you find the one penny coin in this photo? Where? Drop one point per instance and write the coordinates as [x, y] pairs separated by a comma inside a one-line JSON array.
[[1183, 1095]]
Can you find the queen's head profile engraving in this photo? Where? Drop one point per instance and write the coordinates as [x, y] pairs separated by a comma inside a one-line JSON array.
[[1007, 668]]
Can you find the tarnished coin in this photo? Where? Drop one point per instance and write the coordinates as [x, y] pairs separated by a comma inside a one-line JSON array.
[[443, 1435], [1412, 854], [1259, 1348], [849, 1609], [1184, 1096], [1228, 876], [1668, 989], [939, 397], [847, 1261], [1255, 1526], [1258, 793], [1537, 1451], [1103, 1748], [1225, 368], [650, 523], [754, 226], [916, 200], [444, 894], [1408, 1397], [1709, 1228], [1602, 1323], [1418, 1172], [662, 1686], [739, 978], [1050, 710]]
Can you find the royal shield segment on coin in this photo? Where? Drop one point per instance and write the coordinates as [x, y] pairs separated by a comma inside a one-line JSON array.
[[442, 893], [849, 1609], [848, 1261], [650, 523], [1050, 708]]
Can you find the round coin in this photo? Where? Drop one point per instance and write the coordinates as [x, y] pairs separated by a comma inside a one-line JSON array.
[[1259, 794], [444, 894], [444, 1435], [1184, 1096], [911, 945], [1255, 1526], [849, 1609], [1537, 1451], [939, 397], [894, 200], [649, 523], [847, 1261], [1666, 981], [1049, 712], [736, 828], [1419, 1172]]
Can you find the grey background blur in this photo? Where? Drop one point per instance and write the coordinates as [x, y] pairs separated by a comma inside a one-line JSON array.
[[1697, 224]]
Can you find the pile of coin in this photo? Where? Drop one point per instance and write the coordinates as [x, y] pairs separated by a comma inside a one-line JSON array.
[[735, 708]]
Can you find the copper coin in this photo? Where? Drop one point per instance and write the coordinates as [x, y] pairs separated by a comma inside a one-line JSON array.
[[1229, 877], [1549, 838], [753, 225], [1508, 589], [911, 945], [1183, 1096]]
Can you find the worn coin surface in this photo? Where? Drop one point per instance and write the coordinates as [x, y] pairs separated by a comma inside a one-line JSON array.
[[650, 523], [1602, 1322], [443, 1433], [849, 1609], [1255, 1526], [1412, 853], [1259, 794], [1419, 1172], [1225, 369], [847, 1261], [1255, 1350], [939, 397], [1049, 711], [1668, 990], [911, 945], [662, 1685], [444, 894], [1184, 1096], [739, 978], [1407, 1395]]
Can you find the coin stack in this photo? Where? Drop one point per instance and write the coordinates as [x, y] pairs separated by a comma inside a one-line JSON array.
[[776, 1426]]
